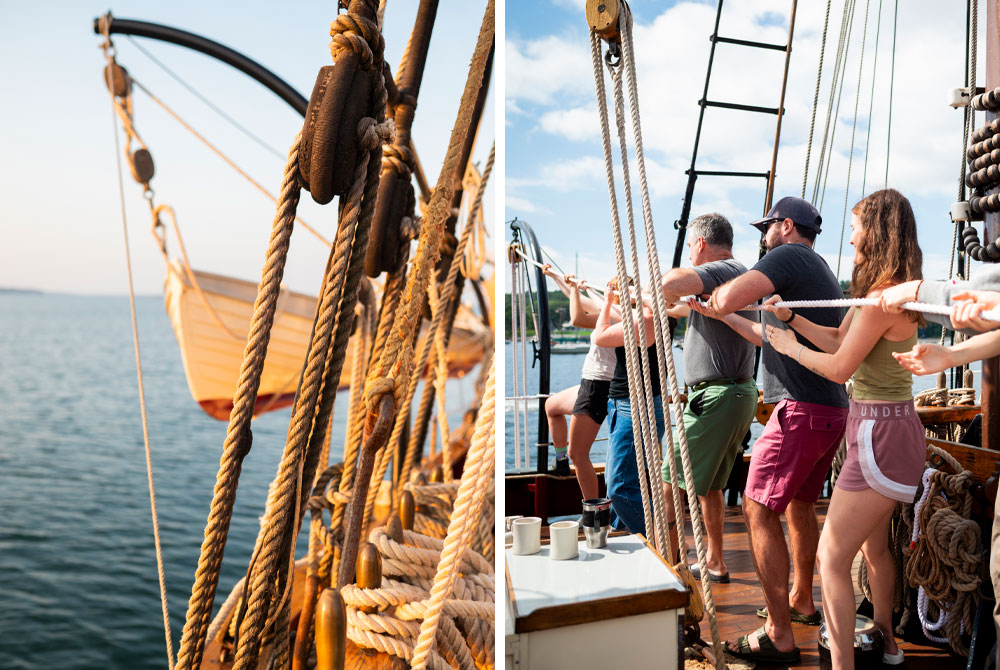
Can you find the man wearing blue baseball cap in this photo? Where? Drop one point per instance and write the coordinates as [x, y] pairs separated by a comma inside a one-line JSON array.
[[791, 458]]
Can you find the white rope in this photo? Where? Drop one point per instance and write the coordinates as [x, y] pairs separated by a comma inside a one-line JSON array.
[[636, 360], [926, 308], [666, 358]]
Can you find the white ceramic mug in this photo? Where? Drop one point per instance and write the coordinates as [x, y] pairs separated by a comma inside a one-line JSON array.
[[527, 535], [563, 540]]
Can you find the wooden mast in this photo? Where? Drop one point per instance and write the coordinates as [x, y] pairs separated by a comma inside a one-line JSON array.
[[991, 366]]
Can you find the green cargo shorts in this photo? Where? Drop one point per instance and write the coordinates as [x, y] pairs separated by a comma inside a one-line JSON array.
[[716, 420]]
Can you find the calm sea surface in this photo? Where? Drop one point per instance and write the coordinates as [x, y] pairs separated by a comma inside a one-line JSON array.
[[565, 372], [78, 584]]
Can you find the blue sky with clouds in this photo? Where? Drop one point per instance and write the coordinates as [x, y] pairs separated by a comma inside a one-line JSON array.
[[555, 175], [59, 211]]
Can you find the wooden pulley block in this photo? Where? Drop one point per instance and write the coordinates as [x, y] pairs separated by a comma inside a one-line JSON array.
[[695, 609], [141, 165], [602, 16], [342, 95], [117, 79], [395, 200]]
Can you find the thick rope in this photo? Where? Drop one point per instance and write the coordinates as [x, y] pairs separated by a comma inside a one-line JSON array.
[[631, 347], [344, 269], [238, 437], [161, 577], [440, 379], [628, 320], [393, 368], [666, 357], [653, 446], [479, 470]]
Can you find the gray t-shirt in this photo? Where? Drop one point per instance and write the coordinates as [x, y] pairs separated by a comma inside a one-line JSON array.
[[986, 278], [713, 350], [799, 273]]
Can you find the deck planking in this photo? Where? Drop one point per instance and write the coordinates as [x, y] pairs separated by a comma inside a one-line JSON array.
[[736, 603]]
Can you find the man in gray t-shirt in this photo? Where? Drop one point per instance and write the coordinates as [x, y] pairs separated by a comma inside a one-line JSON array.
[[718, 369]]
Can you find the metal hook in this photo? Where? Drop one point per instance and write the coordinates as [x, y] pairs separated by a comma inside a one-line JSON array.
[[613, 56]]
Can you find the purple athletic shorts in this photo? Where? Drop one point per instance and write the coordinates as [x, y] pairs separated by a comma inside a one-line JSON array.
[[886, 450], [792, 456]]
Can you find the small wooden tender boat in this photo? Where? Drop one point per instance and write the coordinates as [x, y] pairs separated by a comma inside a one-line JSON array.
[[212, 354]]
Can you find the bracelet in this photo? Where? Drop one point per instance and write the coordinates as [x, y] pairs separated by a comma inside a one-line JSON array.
[[916, 294], [789, 320], [798, 356]]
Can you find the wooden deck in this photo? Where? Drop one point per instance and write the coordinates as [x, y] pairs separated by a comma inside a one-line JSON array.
[[737, 602]]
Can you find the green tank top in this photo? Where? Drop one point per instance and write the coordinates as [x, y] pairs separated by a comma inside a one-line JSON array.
[[881, 377]]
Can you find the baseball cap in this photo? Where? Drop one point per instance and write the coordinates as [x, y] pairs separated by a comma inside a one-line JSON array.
[[800, 211]]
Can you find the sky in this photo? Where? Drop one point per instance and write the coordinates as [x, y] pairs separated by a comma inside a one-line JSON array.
[[555, 168], [60, 218]]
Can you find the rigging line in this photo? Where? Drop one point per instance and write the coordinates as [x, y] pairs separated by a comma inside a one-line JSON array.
[[871, 102], [837, 63], [892, 81], [221, 155], [142, 393], [236, 124], [836, 116], [819, 78]]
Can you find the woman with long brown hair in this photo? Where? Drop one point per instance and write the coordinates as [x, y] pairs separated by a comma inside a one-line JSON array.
[[885, 440]]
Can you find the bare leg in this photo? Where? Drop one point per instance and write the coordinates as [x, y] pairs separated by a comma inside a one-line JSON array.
[[770, 558], [714, 509], [852, 518], [882, 578], [582, 431], [803, 534], [557, 408]]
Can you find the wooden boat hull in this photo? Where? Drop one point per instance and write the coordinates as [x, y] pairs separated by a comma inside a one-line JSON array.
[[212, 356]]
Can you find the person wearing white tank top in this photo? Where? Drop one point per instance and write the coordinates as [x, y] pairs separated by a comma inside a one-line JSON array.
[[586, 403]]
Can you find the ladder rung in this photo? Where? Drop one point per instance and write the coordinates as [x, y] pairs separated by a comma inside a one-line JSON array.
[[727, 173], [749, 43], [733, 105]]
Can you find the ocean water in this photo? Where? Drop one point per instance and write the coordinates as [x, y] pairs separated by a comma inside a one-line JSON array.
[[565, 372], [78, 583]]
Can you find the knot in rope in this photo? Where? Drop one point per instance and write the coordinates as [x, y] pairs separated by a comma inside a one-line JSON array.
[[376, 388], [360, 36], [372, 134], [398, 158]]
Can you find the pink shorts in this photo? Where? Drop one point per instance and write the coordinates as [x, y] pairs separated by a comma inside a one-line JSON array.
[[886, 450], [792, 456]]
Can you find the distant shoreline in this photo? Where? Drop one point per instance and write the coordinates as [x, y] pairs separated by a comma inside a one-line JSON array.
[[7, 289]]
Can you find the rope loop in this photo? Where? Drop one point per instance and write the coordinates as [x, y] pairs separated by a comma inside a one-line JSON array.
[[355, 34]]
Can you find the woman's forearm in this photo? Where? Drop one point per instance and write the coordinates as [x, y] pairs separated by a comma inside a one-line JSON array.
[[825, 337]]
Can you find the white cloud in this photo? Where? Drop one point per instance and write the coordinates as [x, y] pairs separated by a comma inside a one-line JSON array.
[[577, 123], [545, 70]]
